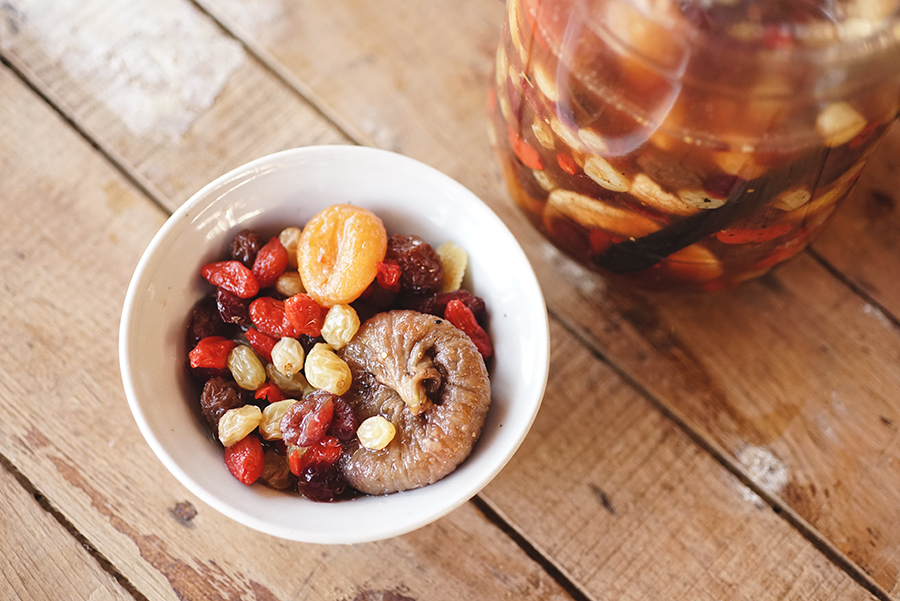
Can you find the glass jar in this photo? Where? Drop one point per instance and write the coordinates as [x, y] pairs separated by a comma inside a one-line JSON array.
[[695, 143]]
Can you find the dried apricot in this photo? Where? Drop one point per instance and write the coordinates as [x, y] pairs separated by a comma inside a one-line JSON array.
[[338, 253]]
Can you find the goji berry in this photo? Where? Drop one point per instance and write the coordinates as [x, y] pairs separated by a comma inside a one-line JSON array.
[[232, 276], [270, 262], [305, 314], [462, 317], [211, 352], [269, 317], [270, 392], [524, 151], [388, 276], [246, 459], [744, 236], [567, 163], [327, 451], [261, 343]]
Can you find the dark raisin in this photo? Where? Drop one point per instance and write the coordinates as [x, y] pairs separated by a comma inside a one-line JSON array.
[[232, 308], [436, 304], [218, 396], [421, 270], [205, 321], [321, 482], [244, 247], [276, 472], [344, 423]]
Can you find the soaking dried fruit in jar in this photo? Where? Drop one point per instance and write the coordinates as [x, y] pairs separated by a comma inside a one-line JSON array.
[[338, 251]]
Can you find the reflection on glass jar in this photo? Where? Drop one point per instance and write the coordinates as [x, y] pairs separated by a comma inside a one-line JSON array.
[[694, 143]]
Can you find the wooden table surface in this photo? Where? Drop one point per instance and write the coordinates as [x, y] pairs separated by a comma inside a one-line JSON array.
[[737, 445]]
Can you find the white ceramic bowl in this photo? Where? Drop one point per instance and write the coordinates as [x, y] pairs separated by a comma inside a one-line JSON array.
[[288, 188]]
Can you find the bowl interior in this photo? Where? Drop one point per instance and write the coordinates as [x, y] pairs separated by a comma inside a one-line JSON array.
[[288, 188]]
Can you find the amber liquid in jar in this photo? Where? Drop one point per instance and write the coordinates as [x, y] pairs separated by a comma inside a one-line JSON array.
[[689, 144]]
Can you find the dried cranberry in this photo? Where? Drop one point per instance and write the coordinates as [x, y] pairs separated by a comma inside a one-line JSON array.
[[245, 246], [218, 396], [232, 308], [437, 303], [307, 421], [344, 423], [421, 270], [321, 482]]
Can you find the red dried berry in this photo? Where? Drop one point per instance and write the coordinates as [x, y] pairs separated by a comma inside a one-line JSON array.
[[270, 392], [437, 304], [307, 421], [246, 459], [749, 235], [524, 151], [269, 317], [262, 344], [305, 314], [462, 317], [321, 482], [232, 276], [344, 423], [211, 352], [388, 276], [270, 262], [567, 163], [327, 451]]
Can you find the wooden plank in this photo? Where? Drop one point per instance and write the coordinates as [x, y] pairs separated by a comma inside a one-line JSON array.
[[159, 85], [39, 559], [73, 231], [631, 508], [633, 329], [861, 241]]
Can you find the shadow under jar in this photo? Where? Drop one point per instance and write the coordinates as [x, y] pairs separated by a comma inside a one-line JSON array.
[[690, 144]]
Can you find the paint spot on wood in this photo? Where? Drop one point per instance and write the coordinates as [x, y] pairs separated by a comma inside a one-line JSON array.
[[157, 66], [764, 468]]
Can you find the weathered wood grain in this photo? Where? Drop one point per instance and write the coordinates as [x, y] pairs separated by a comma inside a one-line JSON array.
[[631, 508], [768, 342], [862, 241], [39, 559], [73, 232]]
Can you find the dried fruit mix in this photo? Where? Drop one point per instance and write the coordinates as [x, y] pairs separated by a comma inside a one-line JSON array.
[[301, 382]]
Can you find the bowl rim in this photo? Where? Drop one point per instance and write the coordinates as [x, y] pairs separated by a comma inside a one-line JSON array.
[[219, 187]]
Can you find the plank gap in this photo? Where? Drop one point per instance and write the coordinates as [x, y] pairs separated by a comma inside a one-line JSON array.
[[783, 510], [569, 586], [285, 76], [855, 287], [142, 184], [45, 504]]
